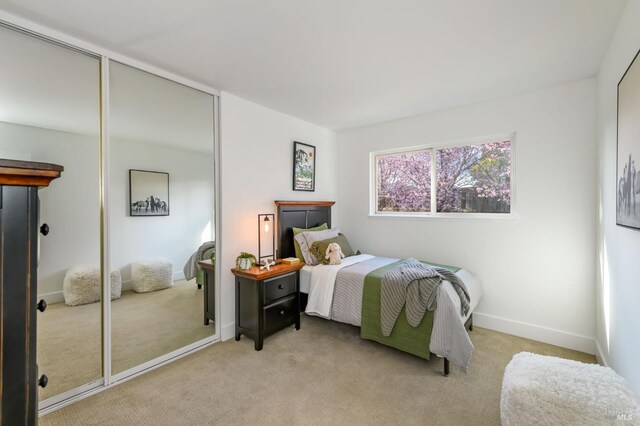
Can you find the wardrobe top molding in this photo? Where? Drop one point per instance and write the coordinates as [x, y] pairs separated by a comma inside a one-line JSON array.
[[28, 173]]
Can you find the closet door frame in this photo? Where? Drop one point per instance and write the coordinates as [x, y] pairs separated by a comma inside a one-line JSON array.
[[105, 56]]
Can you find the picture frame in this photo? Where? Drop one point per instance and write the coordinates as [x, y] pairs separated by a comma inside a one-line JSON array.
[[628, 147], [148, 193], [304, 167]]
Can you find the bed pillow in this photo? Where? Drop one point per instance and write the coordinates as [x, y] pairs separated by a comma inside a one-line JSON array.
[[305, 239], [319, 248], [296, 231]]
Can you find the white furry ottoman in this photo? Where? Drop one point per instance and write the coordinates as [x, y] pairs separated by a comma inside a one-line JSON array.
[[151, 275], [544, 390], [81, 285]]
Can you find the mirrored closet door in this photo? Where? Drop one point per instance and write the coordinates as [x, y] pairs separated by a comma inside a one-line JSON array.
[[161, 214], [50, 112]]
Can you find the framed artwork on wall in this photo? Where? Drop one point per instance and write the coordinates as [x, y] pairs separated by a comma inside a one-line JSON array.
[[148, 193], [628, 149], [304, 167]]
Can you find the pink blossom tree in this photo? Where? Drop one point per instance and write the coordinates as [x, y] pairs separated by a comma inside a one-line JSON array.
[[485, 170], [469, 178], [404, 182]]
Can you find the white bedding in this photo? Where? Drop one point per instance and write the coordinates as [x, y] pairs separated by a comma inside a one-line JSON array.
[[322, 284], [305, 278], [335, 292]]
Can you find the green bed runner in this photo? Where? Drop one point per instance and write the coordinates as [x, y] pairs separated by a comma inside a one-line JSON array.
[[414, 340]]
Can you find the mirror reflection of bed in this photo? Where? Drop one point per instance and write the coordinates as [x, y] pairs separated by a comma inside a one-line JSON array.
[[353, 291]]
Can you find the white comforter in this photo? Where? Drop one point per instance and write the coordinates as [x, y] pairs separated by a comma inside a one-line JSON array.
[[323, 281], [340, 298]]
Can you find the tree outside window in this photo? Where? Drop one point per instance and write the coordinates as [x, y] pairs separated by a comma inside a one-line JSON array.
[[474, 178], [404, 182], [468, 179]]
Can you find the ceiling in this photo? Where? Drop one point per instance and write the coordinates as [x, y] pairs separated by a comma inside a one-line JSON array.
[[349, 63]]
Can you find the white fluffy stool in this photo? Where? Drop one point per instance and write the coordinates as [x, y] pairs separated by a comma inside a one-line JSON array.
[[544, 390], [151, 275], [81, 285]]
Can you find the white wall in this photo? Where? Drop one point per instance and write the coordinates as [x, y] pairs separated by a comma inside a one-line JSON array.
[[70, 205], [537, 270], [190, 220], [256, 168], [618, 290]]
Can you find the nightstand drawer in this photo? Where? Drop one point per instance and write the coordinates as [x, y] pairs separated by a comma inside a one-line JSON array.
[[279, 287], [280, 314]]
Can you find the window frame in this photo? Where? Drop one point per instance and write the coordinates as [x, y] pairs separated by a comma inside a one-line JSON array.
[[433, 214]]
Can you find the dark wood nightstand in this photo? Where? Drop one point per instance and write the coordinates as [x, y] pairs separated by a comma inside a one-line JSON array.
[[267, 301]]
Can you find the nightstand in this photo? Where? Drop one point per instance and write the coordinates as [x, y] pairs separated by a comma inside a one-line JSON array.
[[209, 268], [267, 301]]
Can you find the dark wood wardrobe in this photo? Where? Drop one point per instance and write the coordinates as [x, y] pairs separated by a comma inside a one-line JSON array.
[[19, 228]]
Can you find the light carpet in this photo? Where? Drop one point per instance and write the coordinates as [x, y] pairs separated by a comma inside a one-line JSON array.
[[144, 326], [323, 374]]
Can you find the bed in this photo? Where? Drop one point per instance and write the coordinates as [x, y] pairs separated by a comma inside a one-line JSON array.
[[192, 269], [347, 293]]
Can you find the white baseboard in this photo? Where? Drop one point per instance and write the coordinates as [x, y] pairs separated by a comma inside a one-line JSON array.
[[529, 331], [228, 331], [600, 356], [53, 297], [535, 332]]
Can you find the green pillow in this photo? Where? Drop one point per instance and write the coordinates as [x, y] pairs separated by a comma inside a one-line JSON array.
[[296, 231], [319, 248]]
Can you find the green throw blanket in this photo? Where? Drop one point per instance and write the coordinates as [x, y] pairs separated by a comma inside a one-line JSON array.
[[414, 340]]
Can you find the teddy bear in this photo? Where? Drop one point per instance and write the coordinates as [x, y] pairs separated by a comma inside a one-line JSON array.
[[334, 254]]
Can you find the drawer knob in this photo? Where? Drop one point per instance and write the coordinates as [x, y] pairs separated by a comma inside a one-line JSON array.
[[44, 229], [282, 312], [43, 381], [42, 305], [280, 286]]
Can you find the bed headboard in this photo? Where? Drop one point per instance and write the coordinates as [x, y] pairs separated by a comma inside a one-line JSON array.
[[299, 214]]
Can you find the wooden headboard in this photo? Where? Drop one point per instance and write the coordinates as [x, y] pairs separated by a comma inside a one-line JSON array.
[[299, 214]]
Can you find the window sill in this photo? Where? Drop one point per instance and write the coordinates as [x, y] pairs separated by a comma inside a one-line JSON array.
[[440, 216]]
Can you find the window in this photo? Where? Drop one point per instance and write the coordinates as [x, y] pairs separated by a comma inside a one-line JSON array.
[[404, 182], [444, 180]]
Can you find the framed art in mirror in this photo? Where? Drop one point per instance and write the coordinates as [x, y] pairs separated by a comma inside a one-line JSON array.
[[148, 193]]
